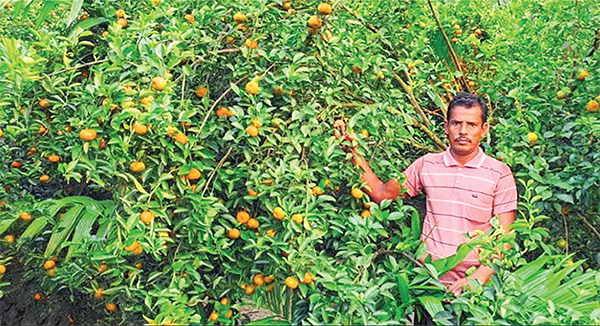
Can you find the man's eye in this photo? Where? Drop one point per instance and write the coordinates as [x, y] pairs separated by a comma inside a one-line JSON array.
[[471, 124]]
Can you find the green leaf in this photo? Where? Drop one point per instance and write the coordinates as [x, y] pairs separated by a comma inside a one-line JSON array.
[[431, 304], [35, 228], [63, 229]]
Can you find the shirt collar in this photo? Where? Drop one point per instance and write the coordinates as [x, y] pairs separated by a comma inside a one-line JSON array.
[[473, 163]]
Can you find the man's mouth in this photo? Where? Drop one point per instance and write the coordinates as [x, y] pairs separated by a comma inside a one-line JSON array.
[[462, 140]]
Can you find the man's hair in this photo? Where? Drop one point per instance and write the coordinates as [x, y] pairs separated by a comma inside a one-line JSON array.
[[467, 100]]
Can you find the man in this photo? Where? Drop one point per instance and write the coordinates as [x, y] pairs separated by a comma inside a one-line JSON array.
[[464, 187]]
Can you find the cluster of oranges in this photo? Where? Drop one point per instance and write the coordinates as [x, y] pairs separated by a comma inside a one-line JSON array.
[[315, 22]]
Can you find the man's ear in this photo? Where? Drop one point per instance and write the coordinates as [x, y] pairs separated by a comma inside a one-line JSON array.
[[486, 128], [445, 126]]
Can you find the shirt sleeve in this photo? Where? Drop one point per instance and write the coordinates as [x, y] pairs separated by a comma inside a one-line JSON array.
[[413, 177], [505, 194]]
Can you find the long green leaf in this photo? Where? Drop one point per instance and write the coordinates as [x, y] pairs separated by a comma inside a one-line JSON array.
[[63, 229], [5, 224], [82, 230], [433, 305], [75, 8], [403, 288], [46, 9], [35, 228]]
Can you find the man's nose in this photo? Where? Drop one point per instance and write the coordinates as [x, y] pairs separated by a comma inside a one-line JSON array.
[[463, 129]]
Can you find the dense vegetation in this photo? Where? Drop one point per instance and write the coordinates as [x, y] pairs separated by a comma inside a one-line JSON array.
[[176, 159]]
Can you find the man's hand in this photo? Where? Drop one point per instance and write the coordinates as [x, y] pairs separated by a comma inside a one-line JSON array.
[[341, 126], [482, 274], [458, 286]]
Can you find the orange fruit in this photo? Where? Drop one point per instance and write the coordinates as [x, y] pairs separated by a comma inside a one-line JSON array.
[[38, 297], [137, 166], [366, 213], [278, 213], [253, 224], [315, 22], [25, 216], [16, 164], [201, 91], [324, 9], [252, 87], [194, 174], [271, 232], [42, 130], [133, 246], [561, 95], [252, 193], [241, 27], [51, 272], [224, 301], [156, 2], [1, 133], [297, 218], [251, 44], [287, 5], [242, 217], [592, 106], [229, 314], [159, 83], [258, 280], [291, 282], [98, 294], [533, 137], [120, 13], [139, 265], [269, 279], [54, 158], [317, 191], [239, 17], [44, 103], [233, 233], [122, 22], [478, 32], [308, 278], [103, 267], [249, 289], [256, 123], [189, 18], [471, 83], [139, 128], [147, 217], [49, 264], [147, 100], [44, 178], [458, 32], [9, 238], [181, 138], [137, 251], [224, 112], [214, 316], [357, 193], [230, 40], [252, 131], [111, 307], [582, 75], [2, 269], [87, 134]]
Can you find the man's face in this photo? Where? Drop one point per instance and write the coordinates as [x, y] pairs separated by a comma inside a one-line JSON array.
[[464, 129]]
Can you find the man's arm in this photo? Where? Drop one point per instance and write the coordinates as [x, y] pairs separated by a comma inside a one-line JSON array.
[[483, 273]]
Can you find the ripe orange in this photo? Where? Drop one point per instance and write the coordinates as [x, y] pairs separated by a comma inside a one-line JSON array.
[[239, 17], [87, 134], [253, 224], [44, 103], [582, 75], [25, 216], [51, 272], [592, 106], [38, 297], [258, 280], [317, 191], [194, 174], [269, 279], [137, 251], [357, 193], [241, 27], [252, 131], [251, 44], [242, 217], [189, 18], [122, 22], [252, 87], [103, 267], [224, 301], [156, 2], [271, 232], [201, 91], [249, 289], [2, 269], [42, 130], [224, 112], [120, 13], [365, 133], [278, 213], [44, 178], [99, 293], [147, 217], [181, 138], [533, 137], [308, 278], [471, 83], [315, 22], [233, 233], [561, 95], [1, 133], [111, 307], [214, 316], [229, 314], [54, 158], [49, 264], [9, 238], [366, 213], [458, 32], [137, 166], [159, 83], [147, 100], [291, 282], [252, 193], [324, 9], [16, 164], [139, 128], [454, 40], [133, 246], [256, 123], [297, 218], [230, 40], [287, 5], [139, 265]]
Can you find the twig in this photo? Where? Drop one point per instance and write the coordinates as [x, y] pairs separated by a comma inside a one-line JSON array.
[[215, 105], [585, 220], [416, 262], [413, 100], [361, 19], [438, 142], [228, 50], [566, 232], [77, 67], [464, 83], [214, 171]]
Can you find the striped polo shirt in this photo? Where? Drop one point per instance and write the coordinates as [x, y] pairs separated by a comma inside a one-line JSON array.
[[460, 200]]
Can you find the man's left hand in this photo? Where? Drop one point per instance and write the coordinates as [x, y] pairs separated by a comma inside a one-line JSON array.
[[458, 286]]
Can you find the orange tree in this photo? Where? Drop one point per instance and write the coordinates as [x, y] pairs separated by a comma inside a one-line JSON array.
[[182, 152]]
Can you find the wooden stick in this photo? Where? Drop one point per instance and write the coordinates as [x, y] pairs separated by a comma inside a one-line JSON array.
[[413, 100], [587, 222], [214, 171]]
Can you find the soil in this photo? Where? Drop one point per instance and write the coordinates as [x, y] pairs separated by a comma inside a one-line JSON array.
[[18, 306]]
